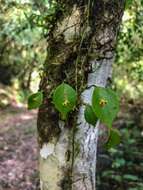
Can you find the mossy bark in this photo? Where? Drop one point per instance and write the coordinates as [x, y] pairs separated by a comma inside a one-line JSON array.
[[80, 52]]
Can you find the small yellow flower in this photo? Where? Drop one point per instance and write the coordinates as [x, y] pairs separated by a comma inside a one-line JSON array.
[[65, 103], [102, 102]]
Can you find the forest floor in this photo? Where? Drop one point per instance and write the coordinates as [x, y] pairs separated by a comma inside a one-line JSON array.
[[19, 150]]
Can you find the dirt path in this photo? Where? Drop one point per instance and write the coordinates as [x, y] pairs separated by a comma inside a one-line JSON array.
[[18, 149]]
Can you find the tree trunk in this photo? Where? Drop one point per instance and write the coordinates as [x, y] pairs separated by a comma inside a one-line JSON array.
[[81, 46]]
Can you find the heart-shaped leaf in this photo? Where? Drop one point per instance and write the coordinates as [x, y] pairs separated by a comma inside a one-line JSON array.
[[114, 138], [64, 99], [35, 100], [90, 116], [105, 104]]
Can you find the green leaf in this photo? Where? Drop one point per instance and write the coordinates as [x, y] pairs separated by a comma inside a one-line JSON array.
[[118, 162], [114, 138], [64, 99], [105, 104], [128, 3], [90, 116], [130, 177], [35, 100]]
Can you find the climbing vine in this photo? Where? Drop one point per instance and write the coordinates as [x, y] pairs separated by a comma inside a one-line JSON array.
[[77, 52]]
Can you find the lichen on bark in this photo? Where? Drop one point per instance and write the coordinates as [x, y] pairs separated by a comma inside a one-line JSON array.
[[82, 59]]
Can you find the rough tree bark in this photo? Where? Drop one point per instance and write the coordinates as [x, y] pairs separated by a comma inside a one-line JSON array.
[[81, 45]]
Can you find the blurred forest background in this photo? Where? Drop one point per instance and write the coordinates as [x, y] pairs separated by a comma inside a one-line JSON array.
[[24, 28]]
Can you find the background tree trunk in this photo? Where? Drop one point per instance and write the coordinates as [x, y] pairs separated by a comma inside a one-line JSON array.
[[81, 47]]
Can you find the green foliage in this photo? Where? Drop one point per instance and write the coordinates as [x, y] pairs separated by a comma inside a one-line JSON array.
[[90, 116], [119, 162], [129, 59], [105, 104], [64, 99], [128, 3], [130, 177], [22, 43], [35, 100], [114, 138], [125, 164]]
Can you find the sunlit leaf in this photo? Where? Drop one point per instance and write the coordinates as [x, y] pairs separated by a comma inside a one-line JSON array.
[[64, 99], [105, 104]]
